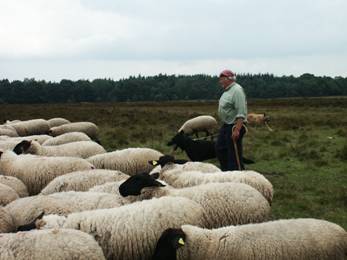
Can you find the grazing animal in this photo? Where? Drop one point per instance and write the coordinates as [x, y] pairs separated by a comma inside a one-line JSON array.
[[295, 239], [207, 124], [254, 119], [196, 150]]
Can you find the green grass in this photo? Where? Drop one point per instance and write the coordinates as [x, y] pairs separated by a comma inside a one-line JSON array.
[[305, 157]]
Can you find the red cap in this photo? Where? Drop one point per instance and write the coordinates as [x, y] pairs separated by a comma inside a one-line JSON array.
[[227, 73]]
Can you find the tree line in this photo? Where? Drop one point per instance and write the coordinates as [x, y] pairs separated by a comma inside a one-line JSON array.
[[166, 87]]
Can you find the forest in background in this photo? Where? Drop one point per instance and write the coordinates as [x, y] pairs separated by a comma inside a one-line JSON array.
[[166, 87]]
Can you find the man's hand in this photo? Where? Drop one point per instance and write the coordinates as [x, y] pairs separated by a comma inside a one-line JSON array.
[[236, 129]]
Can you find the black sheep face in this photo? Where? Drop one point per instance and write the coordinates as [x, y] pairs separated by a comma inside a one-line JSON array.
[[178, 140], [22, 147], [134, 184], [170, 240]]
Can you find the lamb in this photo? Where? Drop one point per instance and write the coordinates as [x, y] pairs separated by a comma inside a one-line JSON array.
[[57, 121], [31, 127], [25, 210], [7, 194], [16, 184], [141, 224], [67, 138], [130, 161], [197, 150], [6, 221], [254, 119], [49, 244], [81, 149], [82, 180], [224, 203], [37, 171], [308, 239], [88, 128], [205, 123], [181, 179]]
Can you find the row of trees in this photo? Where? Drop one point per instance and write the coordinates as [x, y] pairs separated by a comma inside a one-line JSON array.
[[166, 87]]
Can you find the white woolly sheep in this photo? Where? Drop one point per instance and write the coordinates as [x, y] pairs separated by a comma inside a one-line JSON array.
[[7, 194], [131, 231], [308, 239], [49, 244], [7, 130], [181, 179], [67, 138], [6, 221], [15, 184], [88, 128], [167, 162], [37, 171], [38, 138], [205, 123], [130, 161], [224, 203], [81, 149], [31, 127], [7, 145], [25, 210], [57, 121], [82, 180]]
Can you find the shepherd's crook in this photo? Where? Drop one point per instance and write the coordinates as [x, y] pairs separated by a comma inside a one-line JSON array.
[[236, 151]]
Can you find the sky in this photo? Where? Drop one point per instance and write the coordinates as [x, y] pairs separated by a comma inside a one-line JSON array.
[[87, 39]]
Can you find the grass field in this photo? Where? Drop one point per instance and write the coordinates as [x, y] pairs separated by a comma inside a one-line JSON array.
[[305, 157]]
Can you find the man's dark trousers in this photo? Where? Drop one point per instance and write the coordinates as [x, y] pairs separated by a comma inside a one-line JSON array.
[[225, 150]]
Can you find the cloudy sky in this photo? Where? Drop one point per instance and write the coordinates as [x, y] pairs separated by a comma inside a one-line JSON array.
[[88, 39]]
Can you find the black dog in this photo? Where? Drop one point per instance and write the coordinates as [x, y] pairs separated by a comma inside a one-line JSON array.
[[197, 150]]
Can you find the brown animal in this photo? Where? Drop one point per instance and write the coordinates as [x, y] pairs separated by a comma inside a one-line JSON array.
[[258, 120]]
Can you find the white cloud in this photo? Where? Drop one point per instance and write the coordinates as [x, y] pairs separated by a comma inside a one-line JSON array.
[[283, 37]]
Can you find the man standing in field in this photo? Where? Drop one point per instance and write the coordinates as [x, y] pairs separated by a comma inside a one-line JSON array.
[[232, 111]]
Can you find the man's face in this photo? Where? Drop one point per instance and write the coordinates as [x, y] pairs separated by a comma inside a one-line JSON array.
[[224, 81]]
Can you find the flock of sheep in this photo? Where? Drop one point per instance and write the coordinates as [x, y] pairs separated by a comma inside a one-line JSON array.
[[63, 196]]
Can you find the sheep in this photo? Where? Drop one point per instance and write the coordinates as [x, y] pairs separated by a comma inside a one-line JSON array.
[[224, 203], [254, 119], [15, 184], [25, 210], [88, 128], [7, 194], [37, 171], [67, 138], [82, 180], [7, 130], [7, 145], [197, 150], [129, 161], [57, 121], [81, 149], [180, 179], [38, 138], [131, 231], [31, 127], [205, 123], [308, 239], [49, 244], [168, 162], [6, 221]]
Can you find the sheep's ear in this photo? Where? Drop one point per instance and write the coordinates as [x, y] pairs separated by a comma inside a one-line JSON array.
[[155, 175]]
